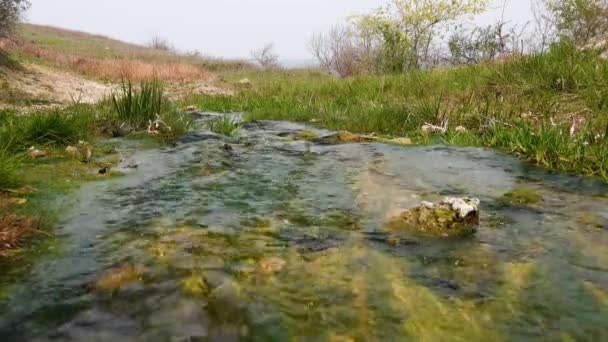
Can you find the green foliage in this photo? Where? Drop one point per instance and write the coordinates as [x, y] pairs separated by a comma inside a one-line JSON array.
[[525, 105], [580, 20], [138, 106], [521, 195], [224, 125], [56, 128], [9, 167], [10, 13], [406, 29]]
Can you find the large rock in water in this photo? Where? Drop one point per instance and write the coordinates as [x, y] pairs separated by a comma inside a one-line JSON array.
[[450, 217]]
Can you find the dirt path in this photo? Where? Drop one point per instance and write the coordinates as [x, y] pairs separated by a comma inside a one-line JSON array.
[[59, 88], [55, 85]]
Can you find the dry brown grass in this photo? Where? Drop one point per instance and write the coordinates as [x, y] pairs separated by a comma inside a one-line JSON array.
[[138, 70], [116, 67], [13, 228]]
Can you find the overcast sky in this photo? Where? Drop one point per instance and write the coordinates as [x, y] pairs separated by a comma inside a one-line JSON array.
[[222, 28]]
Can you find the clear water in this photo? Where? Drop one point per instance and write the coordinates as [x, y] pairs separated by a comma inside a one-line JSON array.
[[197, 220]]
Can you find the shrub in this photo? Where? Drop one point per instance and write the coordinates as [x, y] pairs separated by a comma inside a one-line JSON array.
[[10, 13]]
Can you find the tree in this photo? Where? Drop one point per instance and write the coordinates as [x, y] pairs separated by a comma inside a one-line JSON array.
[[335, 50], [407, 29], [580, 20], [265, 56], [160, 43], [10, 14]]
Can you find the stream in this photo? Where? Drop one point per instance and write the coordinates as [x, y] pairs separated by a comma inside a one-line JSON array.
[[268, 237]]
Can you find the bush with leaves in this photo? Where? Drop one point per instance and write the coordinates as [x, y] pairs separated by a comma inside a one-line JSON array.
[[10, 13], [580, 20]]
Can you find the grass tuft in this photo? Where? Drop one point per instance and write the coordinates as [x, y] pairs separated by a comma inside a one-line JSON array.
[[138, 106], [224, 125]]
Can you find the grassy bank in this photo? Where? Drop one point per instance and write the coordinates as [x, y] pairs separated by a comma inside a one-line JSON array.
[[98, 56], [46, 154], [549, 109]]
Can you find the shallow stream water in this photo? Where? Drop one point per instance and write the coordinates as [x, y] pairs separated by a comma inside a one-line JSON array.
[[269, 237]]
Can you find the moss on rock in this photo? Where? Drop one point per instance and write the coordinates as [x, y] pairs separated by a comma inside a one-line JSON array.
[[521, 196], [450, 217]]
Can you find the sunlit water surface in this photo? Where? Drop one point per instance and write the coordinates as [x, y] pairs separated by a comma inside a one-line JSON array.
[[198, 220]]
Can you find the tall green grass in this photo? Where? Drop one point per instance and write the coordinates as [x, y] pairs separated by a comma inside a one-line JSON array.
[[9, 167], [138, 106], [146, 106], [224, 125], [56, 128], [523, 104]]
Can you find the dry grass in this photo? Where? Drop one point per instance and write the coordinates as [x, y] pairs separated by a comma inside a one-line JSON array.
[[103, 57], [139, 70], [114, 67], [13, 228]]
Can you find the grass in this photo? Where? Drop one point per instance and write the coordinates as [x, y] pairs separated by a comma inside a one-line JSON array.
[[59, 127], [106, 58], [146, 106], [525, 105], [224, 125], [9, 167], [139, 106]]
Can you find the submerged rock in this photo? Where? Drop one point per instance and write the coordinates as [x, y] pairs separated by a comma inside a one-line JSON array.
[[272, 264], [521, 196], [119, 277], [452, 216]]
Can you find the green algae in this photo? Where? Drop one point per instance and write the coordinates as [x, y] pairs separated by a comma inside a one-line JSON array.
[[521, 196], [306, 134], [436, 221]]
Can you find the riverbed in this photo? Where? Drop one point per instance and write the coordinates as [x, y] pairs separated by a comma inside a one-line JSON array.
[[268, 236]]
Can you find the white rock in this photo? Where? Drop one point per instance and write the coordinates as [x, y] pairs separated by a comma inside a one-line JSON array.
[[464, 206]]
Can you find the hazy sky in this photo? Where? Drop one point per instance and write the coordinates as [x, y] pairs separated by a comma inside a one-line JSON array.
[[223, 28]]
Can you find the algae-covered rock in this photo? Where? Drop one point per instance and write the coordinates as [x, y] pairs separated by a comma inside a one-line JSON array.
[[306, 134], [521, 196], [400, 141], [119, 277], [590, 220], [452, 216], [352, 137], [272, 264], [194, 284]]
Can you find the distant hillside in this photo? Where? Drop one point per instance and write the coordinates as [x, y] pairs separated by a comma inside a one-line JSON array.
[[104, 57]]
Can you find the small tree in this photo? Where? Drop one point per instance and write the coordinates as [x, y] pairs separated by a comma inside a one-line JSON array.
[[265, 56], [10, 14], [407, 29], [160, 43], [335, 50], [581, 20]]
